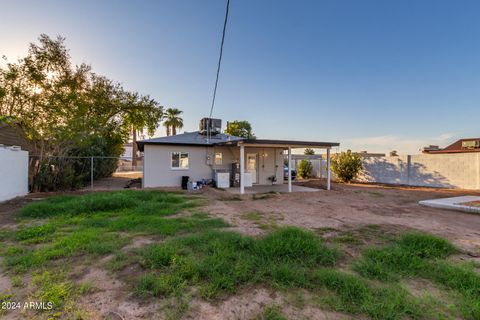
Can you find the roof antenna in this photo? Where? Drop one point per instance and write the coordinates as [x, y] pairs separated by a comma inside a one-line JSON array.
[[209, 122]]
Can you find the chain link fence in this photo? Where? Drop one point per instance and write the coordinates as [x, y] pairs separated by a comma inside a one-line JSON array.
[[84, 172]]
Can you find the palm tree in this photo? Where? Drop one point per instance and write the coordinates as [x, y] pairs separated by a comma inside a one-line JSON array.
[[173, 120]]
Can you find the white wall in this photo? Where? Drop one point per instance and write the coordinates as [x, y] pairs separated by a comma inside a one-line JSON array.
[[452, 170], [158, 173], [13, 173]]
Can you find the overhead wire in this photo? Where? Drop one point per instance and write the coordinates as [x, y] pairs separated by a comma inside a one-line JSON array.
[[218, 70]]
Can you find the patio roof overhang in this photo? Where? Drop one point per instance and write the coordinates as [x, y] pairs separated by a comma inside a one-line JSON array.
[[282, 143]]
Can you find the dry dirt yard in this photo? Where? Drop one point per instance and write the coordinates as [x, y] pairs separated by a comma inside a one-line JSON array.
[[349, 207], [351, 217]]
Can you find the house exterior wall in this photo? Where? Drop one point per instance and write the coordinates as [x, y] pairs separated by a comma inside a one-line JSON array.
[[14, 173], [158, 171], [270, 163], [458, 170]]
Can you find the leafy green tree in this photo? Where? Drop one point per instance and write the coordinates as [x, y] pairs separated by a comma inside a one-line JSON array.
[[173, 121], [309, 152], [142, 113], [347, 166], [67, 111], [241, 129], [305, 169]]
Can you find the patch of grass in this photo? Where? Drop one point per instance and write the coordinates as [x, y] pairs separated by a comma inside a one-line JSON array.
[[422, 255], [355, 295], [347, 238], [221, 262], [295, 245], [406, 257], [120, 260], [5, 296], [268, 224], [17, 282], [56, 289], [36, 234], [86, 241], [252, 216], [6, 234], [144, 202], [272, 312], [91, 224]]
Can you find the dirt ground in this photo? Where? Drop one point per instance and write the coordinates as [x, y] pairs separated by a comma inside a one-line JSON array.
[[346, 207]]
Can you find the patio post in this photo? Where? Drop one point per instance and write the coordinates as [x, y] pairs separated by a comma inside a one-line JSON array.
[[289, 169], [328, 168], [242, 169]]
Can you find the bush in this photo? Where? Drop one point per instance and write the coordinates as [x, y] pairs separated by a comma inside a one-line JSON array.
[[305, 169], [347, 166]]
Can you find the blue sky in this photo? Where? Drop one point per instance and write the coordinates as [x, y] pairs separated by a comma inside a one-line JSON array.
[[373, 75]]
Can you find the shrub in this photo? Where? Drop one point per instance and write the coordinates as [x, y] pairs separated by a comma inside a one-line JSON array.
[[347, 166], [305, 169]]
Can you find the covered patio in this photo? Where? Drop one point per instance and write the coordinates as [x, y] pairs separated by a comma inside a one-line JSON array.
[[286, 145]]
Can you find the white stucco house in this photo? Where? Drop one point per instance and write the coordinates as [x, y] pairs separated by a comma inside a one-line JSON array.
[[201, 155]]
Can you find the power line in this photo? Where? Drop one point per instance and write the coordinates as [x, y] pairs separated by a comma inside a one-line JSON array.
[[218, 66]]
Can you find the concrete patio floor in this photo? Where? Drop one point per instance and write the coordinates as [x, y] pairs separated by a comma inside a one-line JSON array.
[[454, 203], [271, 188]]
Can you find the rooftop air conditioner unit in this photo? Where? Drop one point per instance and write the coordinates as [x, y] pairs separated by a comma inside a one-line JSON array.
[[214, 125]]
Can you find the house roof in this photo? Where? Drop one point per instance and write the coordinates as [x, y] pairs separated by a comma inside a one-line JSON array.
[[197, 139], [284, 143], [189, 139], [456, 147]]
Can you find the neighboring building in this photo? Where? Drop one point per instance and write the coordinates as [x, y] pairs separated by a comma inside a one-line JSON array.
[[459, 146], [12, 135], [127, 150], [201, 155], [125, 163]]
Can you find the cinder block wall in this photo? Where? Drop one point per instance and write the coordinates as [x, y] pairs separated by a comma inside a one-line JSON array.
[[13, 173], [454, 170]]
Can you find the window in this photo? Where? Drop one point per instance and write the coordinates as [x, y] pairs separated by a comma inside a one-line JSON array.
[[179, 160], [218, 158]]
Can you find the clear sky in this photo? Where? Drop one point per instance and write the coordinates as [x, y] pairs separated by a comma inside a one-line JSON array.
[[372, 75]]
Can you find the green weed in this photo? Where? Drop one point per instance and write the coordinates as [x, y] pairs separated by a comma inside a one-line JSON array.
[[355, 295], [221, 262], [422, 255], [272, 312]]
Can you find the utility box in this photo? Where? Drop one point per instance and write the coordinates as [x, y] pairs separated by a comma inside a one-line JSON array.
[[222, 179]]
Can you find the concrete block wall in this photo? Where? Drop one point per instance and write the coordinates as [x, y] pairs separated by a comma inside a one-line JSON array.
[[453, 170], [13, 173]]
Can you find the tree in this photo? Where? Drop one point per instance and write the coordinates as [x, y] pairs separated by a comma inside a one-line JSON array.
[[142, 113], [67, 111], [173, 121], [309, 152], [305, 169], [347, 166], [241, 129]]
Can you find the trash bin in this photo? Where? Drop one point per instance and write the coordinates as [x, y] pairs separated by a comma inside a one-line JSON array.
[[184, 182]]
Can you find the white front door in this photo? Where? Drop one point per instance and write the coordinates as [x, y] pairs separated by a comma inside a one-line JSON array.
[[252, 165]]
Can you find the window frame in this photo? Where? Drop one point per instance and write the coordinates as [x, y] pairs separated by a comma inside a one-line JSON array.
[[179, 158], [215, 158]]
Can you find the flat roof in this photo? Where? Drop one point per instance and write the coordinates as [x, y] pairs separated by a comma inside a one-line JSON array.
[[197, 139]]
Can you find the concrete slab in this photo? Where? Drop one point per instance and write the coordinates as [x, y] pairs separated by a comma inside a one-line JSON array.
[[455, 203], [272, 188]]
